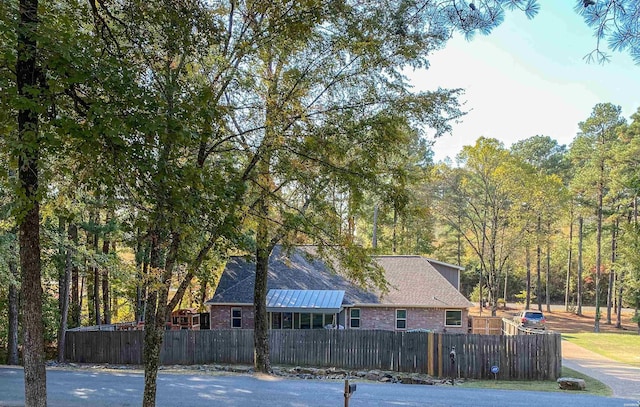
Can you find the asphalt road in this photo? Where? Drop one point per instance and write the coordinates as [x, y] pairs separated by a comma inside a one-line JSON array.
[[124, 388]]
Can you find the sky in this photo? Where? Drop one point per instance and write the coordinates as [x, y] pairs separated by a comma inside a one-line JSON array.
[[527, 78]]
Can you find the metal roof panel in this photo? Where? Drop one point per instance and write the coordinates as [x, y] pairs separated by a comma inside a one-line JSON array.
[[318, 301]]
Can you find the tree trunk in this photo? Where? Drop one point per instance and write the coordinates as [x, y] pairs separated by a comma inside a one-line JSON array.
[[579, 296], [567, 283], [394, 243], [374, 236], [619, 313], [14, 307], [596, 325], [141, 259], [262, 361], [538, 268], [195, 265], [96, 275], [548, 273], [75, 280], [506, 281], [88, 276], [612, 273], [106, 301], [61, 260], [27, 76], [527, 303], [155, 316], [152, 333], [64, 296]]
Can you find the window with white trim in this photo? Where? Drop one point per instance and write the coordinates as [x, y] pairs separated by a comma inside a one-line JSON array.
[[354, 318], [453, 317], [401, 319], [236, 317]]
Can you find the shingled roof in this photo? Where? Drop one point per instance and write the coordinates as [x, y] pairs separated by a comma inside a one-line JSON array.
[[298, 271], [413, 281]]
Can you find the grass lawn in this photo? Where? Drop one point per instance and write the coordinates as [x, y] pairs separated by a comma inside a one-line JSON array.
[[621, 347], [593, 386]]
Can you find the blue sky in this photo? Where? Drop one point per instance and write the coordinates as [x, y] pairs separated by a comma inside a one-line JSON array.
[[527, 78]]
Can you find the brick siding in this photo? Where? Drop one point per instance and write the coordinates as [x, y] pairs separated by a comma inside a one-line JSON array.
[[221, 316], [370, 318]]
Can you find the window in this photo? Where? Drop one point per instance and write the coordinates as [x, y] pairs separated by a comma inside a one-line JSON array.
[[196, 320], [329, 319], [318, 321], [287, 320], [236, 317], [453, 317], [305, 321], [354, 318], [276, 320], [401, 319]]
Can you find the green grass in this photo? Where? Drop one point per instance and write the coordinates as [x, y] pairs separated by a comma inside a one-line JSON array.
[[593, 386], [621, 347]]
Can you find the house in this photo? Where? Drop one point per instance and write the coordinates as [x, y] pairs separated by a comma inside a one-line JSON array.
[[303, 293], [183, 319]]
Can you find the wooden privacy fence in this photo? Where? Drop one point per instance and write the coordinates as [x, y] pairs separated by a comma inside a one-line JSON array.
[[486, 325], [517, 357]]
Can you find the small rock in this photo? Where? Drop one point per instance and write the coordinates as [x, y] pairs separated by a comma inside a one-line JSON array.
[[570, 383]]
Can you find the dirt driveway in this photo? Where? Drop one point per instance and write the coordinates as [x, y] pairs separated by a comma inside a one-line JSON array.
[[562, 321]]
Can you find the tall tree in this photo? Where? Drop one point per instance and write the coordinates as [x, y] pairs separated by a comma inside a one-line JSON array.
[[551, 168], [488, 190], [591, 154], [29, 84]]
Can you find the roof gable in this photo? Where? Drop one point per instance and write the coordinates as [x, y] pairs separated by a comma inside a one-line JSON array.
[[414, 281]]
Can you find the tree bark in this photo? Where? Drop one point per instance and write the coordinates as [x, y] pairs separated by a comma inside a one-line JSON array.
[[27, 77], [106, 301], [96, 275], [64, 297], [152, 334], [527, 304], [567, 283], [88, 277], [155, 315], [75, 279], [579, 296], [619, 313], [538, 267], [548, 273], [61, 261], [262, 360], [612, 272], [14, 306], [141, 260], [374, 236], [596, 324]]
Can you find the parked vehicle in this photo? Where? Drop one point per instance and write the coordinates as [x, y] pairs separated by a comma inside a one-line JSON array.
[[531, 319]]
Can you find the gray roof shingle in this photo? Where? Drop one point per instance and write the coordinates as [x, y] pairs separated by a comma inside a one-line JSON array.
[[413, 281], [295, 272]]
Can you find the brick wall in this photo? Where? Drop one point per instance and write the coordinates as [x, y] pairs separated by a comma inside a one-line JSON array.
[[417, 318], [370, 318], [221, 316]]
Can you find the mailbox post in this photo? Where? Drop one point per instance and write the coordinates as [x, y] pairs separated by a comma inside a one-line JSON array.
[[349, 389], [452, 357]]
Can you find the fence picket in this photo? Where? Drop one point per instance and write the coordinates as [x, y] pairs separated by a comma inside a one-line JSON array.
[[520, 357]]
